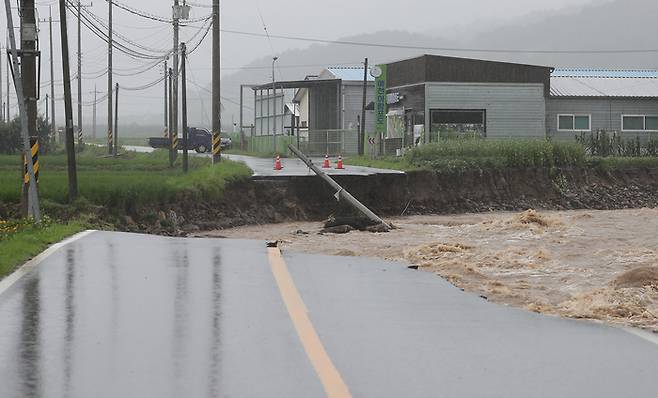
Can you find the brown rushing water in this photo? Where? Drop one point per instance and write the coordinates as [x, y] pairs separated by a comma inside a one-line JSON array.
[[599, 265]]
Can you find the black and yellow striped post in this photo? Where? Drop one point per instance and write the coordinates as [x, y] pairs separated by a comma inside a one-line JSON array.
[[110, 141], [174, 146], [34, 143], [81, 142], [166, 133], [216, 147]]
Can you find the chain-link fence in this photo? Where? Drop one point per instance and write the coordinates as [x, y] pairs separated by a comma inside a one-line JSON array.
[[332, 143]]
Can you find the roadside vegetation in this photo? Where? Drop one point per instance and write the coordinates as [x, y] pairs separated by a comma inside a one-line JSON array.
[[21, 240], [463, 154], [126, 182]]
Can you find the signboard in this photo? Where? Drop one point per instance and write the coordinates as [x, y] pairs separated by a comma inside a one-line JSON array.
[[379, 73]]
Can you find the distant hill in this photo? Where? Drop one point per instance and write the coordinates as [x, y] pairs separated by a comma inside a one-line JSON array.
[[620, 24]]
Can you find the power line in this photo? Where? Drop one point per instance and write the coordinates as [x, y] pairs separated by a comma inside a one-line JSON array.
[[446, 49]]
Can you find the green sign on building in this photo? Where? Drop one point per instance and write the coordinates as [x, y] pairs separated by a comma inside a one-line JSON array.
[[379, 73]]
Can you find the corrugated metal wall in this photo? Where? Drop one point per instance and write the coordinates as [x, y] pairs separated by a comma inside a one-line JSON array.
[[352, 104], [605, 112], [513, 110]]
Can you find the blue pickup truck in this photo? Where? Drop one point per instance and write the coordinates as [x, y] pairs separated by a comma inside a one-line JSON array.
[[199, 140]]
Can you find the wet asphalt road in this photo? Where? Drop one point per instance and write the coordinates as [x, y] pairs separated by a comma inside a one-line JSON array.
[[120, 315], [292, 167]]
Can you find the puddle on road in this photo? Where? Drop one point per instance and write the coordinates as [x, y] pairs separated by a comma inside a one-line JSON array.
[[599, 265]]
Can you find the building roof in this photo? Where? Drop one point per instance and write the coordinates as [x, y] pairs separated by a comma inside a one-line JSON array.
[[349, 73], [604, 83]]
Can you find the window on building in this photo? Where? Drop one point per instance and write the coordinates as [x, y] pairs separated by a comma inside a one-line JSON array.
[[574, 122], [639, 123], [446, 123]]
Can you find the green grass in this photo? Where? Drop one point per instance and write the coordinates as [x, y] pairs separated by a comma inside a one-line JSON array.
[[474, 154], [123, 183], [31, 241], [135, 141], [619, 163], [392, 163]]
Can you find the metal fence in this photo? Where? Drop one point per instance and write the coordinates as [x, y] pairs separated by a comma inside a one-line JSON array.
[[331, 142]]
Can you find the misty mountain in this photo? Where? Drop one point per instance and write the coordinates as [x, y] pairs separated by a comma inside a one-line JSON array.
[[620, 24]]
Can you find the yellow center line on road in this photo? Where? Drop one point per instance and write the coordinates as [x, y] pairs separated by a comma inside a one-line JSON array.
[[333, 383]]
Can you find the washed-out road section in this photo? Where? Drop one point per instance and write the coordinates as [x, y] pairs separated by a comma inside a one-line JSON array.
[[121, 315]]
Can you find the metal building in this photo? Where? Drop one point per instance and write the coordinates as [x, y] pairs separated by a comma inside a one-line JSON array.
[[328, 106], [591, 100], [463, 96]]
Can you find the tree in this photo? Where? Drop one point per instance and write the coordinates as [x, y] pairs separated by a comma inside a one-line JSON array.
[[10, 137]]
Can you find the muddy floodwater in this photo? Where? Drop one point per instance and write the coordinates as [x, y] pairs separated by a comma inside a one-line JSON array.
[[597, 265]]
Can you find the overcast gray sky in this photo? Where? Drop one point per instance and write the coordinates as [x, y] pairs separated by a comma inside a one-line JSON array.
[[318, 19]]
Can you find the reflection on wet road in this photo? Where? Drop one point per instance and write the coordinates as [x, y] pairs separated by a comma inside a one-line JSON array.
[[117, 315], [121, 315]]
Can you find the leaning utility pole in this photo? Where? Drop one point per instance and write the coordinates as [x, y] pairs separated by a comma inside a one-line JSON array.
[[32, 193], [362, 124], [174, 92], [68, 105], [216, 86], [184, 109], [110, 135]]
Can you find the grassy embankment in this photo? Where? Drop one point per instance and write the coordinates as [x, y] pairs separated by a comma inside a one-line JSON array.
[[121, 185], [124, 183], [473, 154]]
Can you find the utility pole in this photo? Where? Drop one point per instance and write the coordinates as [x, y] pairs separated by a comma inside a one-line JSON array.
[[80, 139], [216, 86], [172, 155], [53, 127], [174, 92], [362, 123], [116, 122], [110, 135], [68, 105], [32, 193], [184, 104], [2, 112], [94, 116], [46, 101], [28, 24], [8, 116], [166, 102]]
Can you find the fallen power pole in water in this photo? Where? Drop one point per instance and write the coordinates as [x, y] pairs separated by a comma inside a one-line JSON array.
[[341, 192]]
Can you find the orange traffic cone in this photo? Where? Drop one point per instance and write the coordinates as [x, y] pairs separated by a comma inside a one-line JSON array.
[[277, 163], [326, 164], [340, 166]]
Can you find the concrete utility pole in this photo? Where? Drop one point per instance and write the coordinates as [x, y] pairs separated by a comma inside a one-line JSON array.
[[94, 112], [68, 105], [32, 193], [2, 112], [172, 155], [216, 86], [80, 139], [110, 134], [174, 92], [362, 124], [184, 104], [27, 14], [53, 127], [8, 114], [166, 102], [116, 121]]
